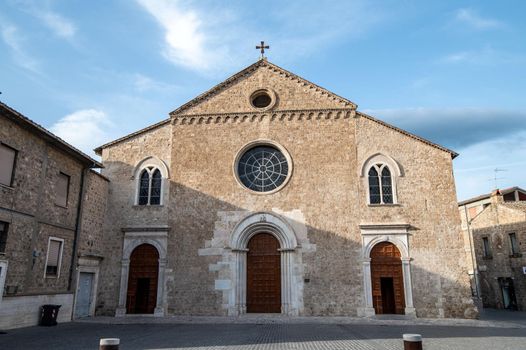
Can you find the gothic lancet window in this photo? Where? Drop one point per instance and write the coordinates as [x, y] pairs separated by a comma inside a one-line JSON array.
[[150, 182], [380, 185]]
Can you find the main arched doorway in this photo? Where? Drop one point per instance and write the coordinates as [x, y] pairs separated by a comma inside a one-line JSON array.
[[142, 280], [387, 279], [263, 274]]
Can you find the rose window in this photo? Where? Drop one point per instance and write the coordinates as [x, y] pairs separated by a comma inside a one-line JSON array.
[[262, 168]]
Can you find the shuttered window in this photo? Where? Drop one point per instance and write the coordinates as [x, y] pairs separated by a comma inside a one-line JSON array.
[[62, 190], [3, 235], [53, 257], [7, 164]]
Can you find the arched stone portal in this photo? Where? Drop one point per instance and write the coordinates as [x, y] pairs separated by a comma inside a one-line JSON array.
[[134, 237], [291, 283], [141, 297], [397, 235]]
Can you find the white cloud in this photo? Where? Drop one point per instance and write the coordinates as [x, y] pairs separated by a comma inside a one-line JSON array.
[[14, 40], [84, 129], [209, 38], [186, 42], [58, 24], [472, 19]]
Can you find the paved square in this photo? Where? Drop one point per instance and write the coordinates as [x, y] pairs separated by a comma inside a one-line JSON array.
[[81, 335]]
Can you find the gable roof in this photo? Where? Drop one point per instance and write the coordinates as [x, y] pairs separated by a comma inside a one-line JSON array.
[[260, 63], [99, 149], [48, 136], [248, 70], [407, 133], [488, 195]]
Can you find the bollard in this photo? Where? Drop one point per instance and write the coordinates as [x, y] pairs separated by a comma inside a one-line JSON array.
[[109, 344], [412, 342]]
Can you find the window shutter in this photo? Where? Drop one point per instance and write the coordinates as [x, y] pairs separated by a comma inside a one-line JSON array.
[[54, 253], [62, 190], [7, 162]]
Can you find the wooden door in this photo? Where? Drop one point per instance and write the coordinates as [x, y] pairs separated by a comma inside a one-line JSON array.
[[263, 274], [387, 279], [142, 280]]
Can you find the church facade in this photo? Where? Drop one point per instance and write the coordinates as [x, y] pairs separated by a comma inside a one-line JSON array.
[[270, 194]]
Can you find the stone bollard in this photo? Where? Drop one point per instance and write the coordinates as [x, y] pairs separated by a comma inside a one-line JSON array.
[[412, 342], [109, 344]]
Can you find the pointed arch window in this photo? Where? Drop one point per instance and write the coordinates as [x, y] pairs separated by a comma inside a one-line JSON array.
[[150, 184], [380, 185]]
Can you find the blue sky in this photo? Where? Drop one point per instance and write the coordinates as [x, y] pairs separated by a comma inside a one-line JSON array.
[[451, 71]]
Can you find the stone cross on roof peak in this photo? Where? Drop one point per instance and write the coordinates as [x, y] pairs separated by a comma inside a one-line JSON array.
[[262, 47]]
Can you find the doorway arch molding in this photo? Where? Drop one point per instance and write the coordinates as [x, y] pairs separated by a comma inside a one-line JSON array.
[[134, 237], [264, 222]]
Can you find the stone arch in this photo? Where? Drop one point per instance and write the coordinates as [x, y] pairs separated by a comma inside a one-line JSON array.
[[129, 248], [151, 161], [402, 247], [291, 287], [381, 158], [263, 222]]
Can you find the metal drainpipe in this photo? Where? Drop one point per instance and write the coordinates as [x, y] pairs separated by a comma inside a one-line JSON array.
[[77, 229], [473, 258]]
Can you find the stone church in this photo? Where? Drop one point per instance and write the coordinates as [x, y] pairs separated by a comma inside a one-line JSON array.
[[269, 194]]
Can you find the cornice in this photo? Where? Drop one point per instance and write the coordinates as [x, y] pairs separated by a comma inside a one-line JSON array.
[[273, 116]]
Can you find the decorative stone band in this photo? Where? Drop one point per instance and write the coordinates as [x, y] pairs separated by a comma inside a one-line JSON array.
[[288, 115]]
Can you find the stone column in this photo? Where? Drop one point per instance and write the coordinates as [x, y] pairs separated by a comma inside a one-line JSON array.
[[368, 289], [286, 285], [240, 280], [408, 287], [159, 307], [125, 269]]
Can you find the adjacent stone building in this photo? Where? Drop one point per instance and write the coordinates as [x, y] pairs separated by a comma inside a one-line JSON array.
[[51, 205], [270, 194], [496, 223]]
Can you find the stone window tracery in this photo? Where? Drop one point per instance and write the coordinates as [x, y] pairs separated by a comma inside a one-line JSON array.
[[263, 168], [380, 185], [150, 183]]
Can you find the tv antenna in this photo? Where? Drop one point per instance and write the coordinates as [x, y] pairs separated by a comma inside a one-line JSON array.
[[495, 178]]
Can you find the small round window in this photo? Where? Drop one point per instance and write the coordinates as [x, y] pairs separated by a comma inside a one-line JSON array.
[[261, 99], [262, 168]]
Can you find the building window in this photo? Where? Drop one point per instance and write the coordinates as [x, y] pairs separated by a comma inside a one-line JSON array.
[[62, 190], [54, 257], [7, 164], [3, 236], [150, 183], [486, 247], [514, 245], [262, 168], [380, 185]]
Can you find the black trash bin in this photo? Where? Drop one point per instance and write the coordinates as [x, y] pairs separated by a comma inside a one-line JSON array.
[[48, 315]]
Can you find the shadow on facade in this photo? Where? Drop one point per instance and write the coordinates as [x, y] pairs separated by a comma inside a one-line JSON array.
[[328, 271]]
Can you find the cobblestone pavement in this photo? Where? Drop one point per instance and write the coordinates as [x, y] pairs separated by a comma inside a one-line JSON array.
[[318, 336]]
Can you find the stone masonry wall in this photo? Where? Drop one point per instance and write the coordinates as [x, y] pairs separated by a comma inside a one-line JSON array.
[[29, 208], [495, 223], [120, 161], [325, 190]]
